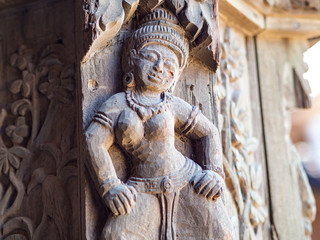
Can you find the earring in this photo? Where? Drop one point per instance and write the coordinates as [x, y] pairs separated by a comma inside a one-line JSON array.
[[128, 80]]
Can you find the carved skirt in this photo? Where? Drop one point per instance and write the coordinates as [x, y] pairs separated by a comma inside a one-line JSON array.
[[168, 208]]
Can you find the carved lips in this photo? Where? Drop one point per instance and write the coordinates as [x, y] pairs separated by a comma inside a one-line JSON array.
[[154, 77]]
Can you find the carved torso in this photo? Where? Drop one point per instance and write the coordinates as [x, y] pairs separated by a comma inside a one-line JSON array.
[[149, 142]]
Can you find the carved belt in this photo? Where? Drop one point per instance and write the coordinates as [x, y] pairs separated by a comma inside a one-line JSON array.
[[167, 188], [165, 184]]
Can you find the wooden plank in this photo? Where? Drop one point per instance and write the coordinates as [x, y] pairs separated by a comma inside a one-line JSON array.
[[292, 26], [257, 125], [284, 193]]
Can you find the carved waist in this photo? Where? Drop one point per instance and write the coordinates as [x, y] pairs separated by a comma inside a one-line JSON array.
[[166, 184]]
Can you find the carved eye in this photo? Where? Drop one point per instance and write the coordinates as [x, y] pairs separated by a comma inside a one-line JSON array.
[[150, 56]]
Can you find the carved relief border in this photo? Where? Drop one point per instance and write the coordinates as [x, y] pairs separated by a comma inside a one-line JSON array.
[[244, 173], [2, 74], [38, 156]]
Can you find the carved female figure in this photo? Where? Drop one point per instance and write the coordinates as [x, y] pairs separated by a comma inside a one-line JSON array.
[[167, 196]]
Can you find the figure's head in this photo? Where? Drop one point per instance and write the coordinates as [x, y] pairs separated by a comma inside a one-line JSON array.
[[156, 53]]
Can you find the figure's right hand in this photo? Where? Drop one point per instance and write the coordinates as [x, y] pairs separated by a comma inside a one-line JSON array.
[[121, 199]]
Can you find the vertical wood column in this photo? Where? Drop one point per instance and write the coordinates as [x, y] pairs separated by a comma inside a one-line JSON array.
[[275, 83]]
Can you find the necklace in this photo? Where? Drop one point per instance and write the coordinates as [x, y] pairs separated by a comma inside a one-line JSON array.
[[144, 111]]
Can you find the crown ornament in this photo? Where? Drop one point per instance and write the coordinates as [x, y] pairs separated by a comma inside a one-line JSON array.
[[198, 18]]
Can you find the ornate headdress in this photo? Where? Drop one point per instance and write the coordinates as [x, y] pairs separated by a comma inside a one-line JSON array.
[[161, 27]]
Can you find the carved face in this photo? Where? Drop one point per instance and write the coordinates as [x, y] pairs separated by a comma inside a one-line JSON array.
[[156, 68]]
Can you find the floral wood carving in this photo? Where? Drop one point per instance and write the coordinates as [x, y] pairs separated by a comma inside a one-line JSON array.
[[199, 18], [244, 174], [307, 198], [35, 153]]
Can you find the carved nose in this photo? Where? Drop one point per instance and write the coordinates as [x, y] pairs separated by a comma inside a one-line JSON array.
[[158, 66]]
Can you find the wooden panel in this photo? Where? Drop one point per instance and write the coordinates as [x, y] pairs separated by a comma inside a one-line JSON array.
[[257, 125], [4, 4], [284, 193], [39, 192]]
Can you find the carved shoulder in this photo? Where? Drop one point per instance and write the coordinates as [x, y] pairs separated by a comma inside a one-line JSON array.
[[109, 111], [114, 105], [190, 121], [181, 111]]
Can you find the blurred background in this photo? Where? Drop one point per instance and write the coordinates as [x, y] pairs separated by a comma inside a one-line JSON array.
[[305, 131]]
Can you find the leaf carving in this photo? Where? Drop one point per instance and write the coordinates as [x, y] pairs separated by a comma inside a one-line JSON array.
[[67, 72], [251, 145], [1, 190], [53, 151], [13, 59], [12, 157], [18, 225], [13, 160], [21, 107], [21, 63], [68, 172], [129, 7], [4, 164], [21, 152], [15, 86]]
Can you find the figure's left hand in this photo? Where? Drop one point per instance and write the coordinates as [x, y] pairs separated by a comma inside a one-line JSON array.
[[208, 184]]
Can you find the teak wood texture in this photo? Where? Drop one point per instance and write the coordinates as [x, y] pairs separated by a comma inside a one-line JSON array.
[[153, 119]]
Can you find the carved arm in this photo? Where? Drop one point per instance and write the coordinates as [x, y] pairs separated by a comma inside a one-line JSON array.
[[99, 140], [209, 151], [118, 197], [192, 123], [189, 121]]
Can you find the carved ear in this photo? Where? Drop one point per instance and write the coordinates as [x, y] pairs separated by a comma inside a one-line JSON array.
[[128, 80], [132, 55]]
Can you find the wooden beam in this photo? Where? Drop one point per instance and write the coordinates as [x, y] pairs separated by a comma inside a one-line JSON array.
[[292, 26], [242, 16], [256, 20]]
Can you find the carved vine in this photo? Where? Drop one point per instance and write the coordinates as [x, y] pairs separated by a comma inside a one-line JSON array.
[[244, 173], [27, 126]]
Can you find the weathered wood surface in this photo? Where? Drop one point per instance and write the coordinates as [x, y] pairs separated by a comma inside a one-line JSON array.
[[38, 26], [257, 124], [236, 67], [5, 4], [38, 180], [241, 15], [276, 84], [285, 6], [259, 18]]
